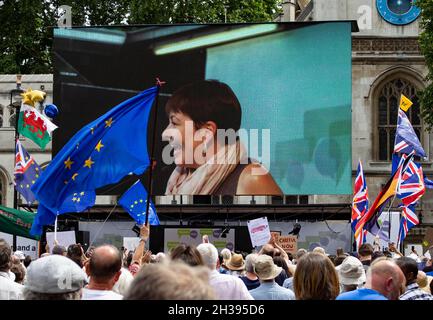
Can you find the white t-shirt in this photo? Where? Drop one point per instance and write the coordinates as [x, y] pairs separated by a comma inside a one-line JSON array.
[[90, 294]]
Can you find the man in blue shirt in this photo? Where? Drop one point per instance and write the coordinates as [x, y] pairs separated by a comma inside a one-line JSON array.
[[385, 281], [267, 271]]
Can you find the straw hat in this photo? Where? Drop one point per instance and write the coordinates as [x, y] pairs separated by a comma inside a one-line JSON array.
[[236, 263], [265, 268]]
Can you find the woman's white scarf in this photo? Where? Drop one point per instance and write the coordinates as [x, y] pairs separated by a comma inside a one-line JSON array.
[[209, 176]]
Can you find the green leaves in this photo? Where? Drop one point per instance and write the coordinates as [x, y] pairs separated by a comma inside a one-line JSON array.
[[426, 45]]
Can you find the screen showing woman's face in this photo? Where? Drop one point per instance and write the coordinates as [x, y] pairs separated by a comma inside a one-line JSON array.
[[180, 133]]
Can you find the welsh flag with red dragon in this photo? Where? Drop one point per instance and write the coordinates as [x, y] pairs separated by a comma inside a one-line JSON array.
[[35, 126]]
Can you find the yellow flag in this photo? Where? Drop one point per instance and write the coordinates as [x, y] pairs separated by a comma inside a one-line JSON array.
[[405, 103]]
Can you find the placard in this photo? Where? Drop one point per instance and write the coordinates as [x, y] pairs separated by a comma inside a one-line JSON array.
[[64, 238], [131, 243], [259, 231], [288, 243]]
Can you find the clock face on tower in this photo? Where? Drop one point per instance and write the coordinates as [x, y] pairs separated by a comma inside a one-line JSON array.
[[399, 12]]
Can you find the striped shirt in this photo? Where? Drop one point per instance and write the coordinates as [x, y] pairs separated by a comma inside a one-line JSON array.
[[413, 292]]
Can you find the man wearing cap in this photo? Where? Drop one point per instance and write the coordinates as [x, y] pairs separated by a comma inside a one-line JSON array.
[[267, 271], [9, 289], [351, 274], [54, 277]]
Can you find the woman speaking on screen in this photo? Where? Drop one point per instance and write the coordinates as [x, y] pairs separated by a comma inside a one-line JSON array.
[[204, 118]]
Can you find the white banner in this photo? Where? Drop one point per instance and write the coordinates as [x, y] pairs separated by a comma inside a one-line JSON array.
[[259, 231], [64, 238], [131, 243]]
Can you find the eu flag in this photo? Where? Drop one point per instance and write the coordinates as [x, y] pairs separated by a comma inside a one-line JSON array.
[[101, 153], [134, 201], [26, 172]]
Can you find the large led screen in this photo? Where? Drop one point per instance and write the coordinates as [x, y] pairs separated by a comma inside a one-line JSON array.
[[247, 109]]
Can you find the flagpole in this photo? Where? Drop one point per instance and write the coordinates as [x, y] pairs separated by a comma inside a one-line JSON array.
[[152, 150], [55, 230]]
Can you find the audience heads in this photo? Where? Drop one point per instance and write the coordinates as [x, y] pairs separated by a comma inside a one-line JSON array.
[[351, 272], [365, 250], [75, 254], [385, 277], [315, 278], [19, 255], [280, 262], [422, 281], [18, 269], [105, 264], [5, 256], [339, 259], [377, 254], [268, 249], [265, 268], [171, 280], [188, 254], [300, 253], [319, 250], [60, 250], [409, 268], [54, 277], [209, 254], [250, 260], [236, 263], [27, 261], [226, 254]]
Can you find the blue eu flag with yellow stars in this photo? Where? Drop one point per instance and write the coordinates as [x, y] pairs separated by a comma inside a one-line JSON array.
[[101, 153], [134, 202]]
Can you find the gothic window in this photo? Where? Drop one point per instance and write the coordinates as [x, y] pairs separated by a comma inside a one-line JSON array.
[[388, 104]]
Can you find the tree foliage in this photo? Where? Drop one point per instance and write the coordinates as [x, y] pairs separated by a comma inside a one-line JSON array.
[[426, 45], [26, 32]]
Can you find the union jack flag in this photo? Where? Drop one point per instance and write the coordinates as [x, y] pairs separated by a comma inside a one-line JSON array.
[[408, 220], [359, 203], [26, 172], [412, 186]]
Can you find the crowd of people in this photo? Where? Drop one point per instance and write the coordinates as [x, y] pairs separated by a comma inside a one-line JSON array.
[[202, 273]]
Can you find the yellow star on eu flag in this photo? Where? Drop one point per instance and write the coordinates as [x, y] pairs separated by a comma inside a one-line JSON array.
[[108, 122], [88, 163], [68, 163], [74, 176], [82, 193], [99, 146]]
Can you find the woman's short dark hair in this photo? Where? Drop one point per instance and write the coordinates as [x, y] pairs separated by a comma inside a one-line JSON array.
[[188, 254], [280, 262], [207, 100]]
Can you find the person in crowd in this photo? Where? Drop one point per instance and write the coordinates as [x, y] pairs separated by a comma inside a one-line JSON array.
[[267, 271], [365, 253], [385, 281], [171, 280], [395, 254], [75, 253], [315, 278], [60, 250], [281, 262], [250, 278], [9, 289], [125, 279], [236, 265], [18, 269], [351, 274], [27, 261], [428, 269], [299, 254], [224, 256], [54, 277], [20, 256], [226, 287], [410, 271], [423, 281], [319, 250], [338, 260], [104, 271], [188, 254], [141, 255], [269, 250], [376, 255]]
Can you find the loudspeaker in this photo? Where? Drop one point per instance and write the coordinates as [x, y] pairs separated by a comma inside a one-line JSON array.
[[83, 237]]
